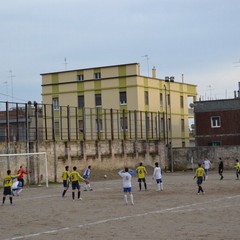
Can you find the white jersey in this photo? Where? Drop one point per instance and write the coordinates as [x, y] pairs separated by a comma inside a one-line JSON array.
[[16, 186], [86, 173], [127, 179], [157, 173], [206, 164]]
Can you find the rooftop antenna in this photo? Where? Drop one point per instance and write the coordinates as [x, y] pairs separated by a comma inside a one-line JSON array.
[[210, 91], [6, 83], [65, 63], [11, 78], [147, 59], [182, 78]]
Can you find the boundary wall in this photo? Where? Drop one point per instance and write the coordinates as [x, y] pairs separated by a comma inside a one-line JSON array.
[[102, 155], [111, 155]]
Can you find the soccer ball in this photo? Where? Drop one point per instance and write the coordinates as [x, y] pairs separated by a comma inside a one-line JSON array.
[[105, 176]]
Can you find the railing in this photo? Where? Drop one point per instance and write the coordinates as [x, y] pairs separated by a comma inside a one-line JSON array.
[[41, 122]]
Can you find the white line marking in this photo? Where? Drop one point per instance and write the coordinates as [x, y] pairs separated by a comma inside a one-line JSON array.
[[173, 210]]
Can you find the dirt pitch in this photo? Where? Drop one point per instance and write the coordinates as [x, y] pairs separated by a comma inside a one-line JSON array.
[[175, 213]]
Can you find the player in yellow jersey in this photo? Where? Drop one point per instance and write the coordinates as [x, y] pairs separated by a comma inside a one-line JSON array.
[[141, 171], [74, 178], [199, 175], [65, 178], [7, 187], [237, 168]]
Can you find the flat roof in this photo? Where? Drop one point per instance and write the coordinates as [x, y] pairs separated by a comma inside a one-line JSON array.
[[81, 69], [217, 105]]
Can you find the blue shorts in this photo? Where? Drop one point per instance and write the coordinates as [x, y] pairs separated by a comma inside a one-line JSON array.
[[65, 183], [7, 191], [75, 185], [127, 189], [199, 180], [159, 180]]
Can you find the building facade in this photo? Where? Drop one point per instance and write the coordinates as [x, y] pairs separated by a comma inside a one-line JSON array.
[[122, 88], [217, 122]]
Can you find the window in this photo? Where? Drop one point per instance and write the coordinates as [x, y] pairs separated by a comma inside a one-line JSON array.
[[162, 124], [124, 123], [80, 101], [168, 97], [123, 98], [55, 103], [98, 100], [182, 125], [169, 124], [99, 125], [215, 122], [183, 144], [216, 143], [97, 75], [146, 98], [161, 99], [181, 102], [80, 77]]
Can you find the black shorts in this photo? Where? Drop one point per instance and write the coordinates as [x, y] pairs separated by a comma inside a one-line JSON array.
[[75, 185], [7, 191], [65, 183], [141, 180]]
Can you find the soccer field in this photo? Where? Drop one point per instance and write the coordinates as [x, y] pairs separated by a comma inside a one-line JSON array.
[[175, 213]]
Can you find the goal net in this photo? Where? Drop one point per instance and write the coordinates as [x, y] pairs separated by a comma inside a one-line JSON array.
[[35, 163]]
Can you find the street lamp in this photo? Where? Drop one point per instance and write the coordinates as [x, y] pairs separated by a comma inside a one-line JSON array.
[[169, 80]]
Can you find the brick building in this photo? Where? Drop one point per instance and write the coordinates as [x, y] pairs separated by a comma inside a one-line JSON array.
[[217, 122]]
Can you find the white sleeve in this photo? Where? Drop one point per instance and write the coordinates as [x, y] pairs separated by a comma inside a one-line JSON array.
[[120, 173], [154, 172]]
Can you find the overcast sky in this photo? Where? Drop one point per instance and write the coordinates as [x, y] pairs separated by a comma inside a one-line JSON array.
[[197, 38]]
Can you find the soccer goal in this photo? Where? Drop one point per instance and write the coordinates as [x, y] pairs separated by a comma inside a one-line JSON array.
[[35, 163]]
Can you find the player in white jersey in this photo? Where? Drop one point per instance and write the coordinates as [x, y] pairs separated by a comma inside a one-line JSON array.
[[86, 176], [157, 175], [206, 166], [127, 184], [16, 187]]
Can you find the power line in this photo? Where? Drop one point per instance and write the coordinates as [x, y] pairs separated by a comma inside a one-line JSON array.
[[6, 95]]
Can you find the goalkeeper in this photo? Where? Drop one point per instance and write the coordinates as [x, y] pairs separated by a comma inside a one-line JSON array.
[[20, 173]]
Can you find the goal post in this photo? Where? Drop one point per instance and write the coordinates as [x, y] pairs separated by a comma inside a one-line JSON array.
[[36, 163]]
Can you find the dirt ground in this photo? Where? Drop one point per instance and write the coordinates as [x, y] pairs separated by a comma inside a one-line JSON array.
[[177, 212]]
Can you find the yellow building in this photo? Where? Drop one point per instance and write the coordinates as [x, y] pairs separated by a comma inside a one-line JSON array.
[[159, 103]]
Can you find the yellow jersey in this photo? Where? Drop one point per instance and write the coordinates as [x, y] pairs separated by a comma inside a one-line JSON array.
[[65, 175], [199, 172], [237, 166], [141, 171], [75, 176], [7, 181]]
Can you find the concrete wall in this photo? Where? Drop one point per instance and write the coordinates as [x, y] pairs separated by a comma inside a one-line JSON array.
[[186, 158], [102, 155], [112, 155]]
